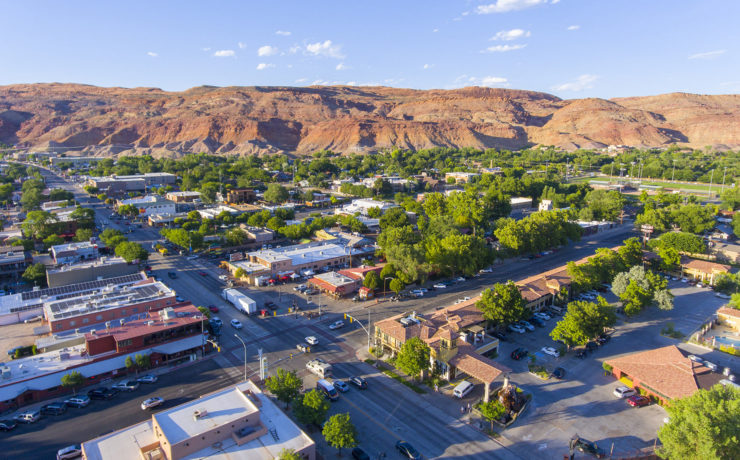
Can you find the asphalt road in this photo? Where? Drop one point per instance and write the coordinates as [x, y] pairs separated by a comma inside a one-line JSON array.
[[42, 439]]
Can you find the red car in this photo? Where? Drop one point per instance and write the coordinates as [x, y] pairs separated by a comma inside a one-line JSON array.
[[213, 308], [203, 273], [638, 401]]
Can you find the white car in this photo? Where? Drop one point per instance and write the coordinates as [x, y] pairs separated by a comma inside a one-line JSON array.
[[543, 316], [236, 324], [311, 340], [516, 328], [417, 293], [148, 378], [550, 351], [69, 452], [526, 325], [684, 280], [440, 286], [459, 279], [624, 392], [485, 270], [695, 358], [336, 325], [191, 257], [223, 277], [152, 403]]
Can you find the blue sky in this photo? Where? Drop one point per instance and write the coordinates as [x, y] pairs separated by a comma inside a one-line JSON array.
[[570, 48]]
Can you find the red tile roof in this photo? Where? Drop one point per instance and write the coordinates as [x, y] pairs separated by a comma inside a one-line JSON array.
[[705, 266], [665, 370], [735, 313], [184, 315]]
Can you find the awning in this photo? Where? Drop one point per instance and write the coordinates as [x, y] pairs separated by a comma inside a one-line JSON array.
[[294, 276], [180, 345]]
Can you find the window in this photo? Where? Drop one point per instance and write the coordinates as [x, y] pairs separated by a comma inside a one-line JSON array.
[[99, 317], [85, 320], [72, 323]]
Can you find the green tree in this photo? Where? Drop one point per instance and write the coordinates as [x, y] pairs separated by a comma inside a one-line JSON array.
[[735, 301], [39, 224], [492, 410], [503, 304], [631, 252], [705, 425], [670, 259], [605, 204], [36, 274], [128, 210], [142, 361], [73, 380], [285, 385], [236, 237], [85, 217], [339, 432], [680, 241], [288, 454], [131, 251], [372, 280], [206, 312], [731, 198], [396, 285], [53, 240], [583, 321], [240, 273], [276, 193], [129, 363], [83, 234], [374, 213], [31, 199], [413, 357], [310, 408]]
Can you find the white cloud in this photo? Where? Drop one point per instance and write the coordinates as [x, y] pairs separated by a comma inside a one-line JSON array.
[[435, 30], [302, 80], [242, 45], [427, 66], [708, 54], [224, 53], [351, 83], [284, 33], [319, 82], [206, 49], [152, 54], [341, 66], [504, 6], [585, 81], [513, 34], [267, 50], [264, 65], [294, 49], [490, 81], [574, 27], [502, 48], [325, 48]]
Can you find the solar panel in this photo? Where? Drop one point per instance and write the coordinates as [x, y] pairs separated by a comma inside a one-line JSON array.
[[86, 286]]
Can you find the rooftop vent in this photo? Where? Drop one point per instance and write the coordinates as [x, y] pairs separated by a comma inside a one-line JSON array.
[[92, 331], [199, 414]]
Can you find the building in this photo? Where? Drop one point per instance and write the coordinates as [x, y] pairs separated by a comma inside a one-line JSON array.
[[726, 252], [183, 197], [258, 234], [664, 373], [702, 270], [236, 423], [307, 259], [103, 306], [15, 308], [70, 253], [150, 205], [461, 177], [117, 185], [363, 206], [520, 204], [729, 317], [335, 284], [77, 162], [90, 270], [545, 205], [52, 205], [166, 337], [241, 195], [213, 211], [161, 220], [456, 337], [13, 262]]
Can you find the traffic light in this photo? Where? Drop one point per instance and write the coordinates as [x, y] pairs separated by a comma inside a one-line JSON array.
[[345, 316], [351, 319]]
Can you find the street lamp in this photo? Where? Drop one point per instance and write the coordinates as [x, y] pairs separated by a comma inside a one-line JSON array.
[[384, 280], [245, 354]]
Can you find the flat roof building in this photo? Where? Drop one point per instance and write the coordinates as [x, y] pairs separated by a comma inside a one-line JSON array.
[[363, 206], [70, 253], [113, 185], [150, 205], [236, 423], [90, 270], [13, 262], [183, 197]]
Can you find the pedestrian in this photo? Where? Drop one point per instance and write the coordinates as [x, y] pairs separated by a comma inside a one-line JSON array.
[[462, 410], [468, 407], [436, 387]]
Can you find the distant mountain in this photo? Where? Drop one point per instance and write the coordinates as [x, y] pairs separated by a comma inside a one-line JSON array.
[[250, 120]]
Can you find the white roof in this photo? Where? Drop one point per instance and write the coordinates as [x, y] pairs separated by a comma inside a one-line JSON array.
[[301, 254], [223, 406]]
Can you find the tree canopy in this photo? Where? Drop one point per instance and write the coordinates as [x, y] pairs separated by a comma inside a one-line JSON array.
[[584, 321], [339, 432], [311, 407], [503, 304], [285, 385], [413, 357], [131, 251]]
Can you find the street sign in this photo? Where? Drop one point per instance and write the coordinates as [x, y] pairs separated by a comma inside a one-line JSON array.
[[647, 228]]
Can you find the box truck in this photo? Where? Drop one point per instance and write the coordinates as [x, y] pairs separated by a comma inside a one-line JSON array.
[[240, 301]]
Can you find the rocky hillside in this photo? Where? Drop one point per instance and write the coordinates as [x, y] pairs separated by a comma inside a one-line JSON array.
[[249, 120]]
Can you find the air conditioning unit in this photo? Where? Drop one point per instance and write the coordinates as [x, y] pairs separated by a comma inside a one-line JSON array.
[[199, 413]]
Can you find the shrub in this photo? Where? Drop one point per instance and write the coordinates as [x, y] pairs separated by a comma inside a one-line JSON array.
[[607, 367], [729, 349]]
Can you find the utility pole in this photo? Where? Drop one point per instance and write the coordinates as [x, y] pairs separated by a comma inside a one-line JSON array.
[[245, 354], [711, 180], [723, 179], [673, 174]]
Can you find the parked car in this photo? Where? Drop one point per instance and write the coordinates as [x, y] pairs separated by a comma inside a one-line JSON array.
[[591, 346], [302, 347], [55, 408], [696, 359], [101, 393], [311, 340], [236, 324], [127, 385], [7, 425], [638, 401], [551, 351], [212, 308], [587, 447], [29, 416], [582, 353], [271, 305], [558, 373], [519, 353], [516, 328], [712, 366], [542, 315], [624, 392], [148, 378], [217, 321], [499, 335], [223, 277], [336, 325], [485, 270], [151, 403], [440, 286], [359, 454], [537, 321], [341, 385], [359, 382], [459, 279], [526, 325], [172, 275], [407, 450], [69, 452], [77, 401]]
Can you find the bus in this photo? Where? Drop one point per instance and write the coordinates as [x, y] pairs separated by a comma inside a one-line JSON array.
[[328, 389]]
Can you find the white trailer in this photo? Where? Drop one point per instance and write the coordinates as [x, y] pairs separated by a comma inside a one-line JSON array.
[[240, 301], [319, 367]]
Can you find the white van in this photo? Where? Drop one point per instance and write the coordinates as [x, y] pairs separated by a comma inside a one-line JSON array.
[[462, 389]]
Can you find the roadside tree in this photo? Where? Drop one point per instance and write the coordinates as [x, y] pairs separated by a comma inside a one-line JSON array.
[[310, 408], [73, 380], [131, 251], [285, 385], [584, 321], [372, 280], [396, 285], [492, 410], [413, 357], [36, 274], [503, 304], [276, 193], [339, 432]]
